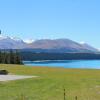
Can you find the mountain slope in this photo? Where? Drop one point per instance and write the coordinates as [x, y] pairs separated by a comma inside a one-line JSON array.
[[45, 45], [85, 45], [60, 45], [10, 43]]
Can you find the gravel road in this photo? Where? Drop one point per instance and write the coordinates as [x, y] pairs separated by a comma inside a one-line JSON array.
[[14, 77]]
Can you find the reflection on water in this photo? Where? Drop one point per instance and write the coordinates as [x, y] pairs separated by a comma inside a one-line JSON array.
[[66, 63]]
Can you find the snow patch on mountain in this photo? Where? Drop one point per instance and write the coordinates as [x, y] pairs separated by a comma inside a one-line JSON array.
[[3, 37], [82, 42], [28, 41], [16, 39]]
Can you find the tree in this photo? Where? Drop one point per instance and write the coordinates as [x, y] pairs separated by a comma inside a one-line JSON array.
[[3, 57], [10, 57], [18, 58]]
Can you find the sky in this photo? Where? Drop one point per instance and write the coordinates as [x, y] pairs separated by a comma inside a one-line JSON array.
[[78, 20]]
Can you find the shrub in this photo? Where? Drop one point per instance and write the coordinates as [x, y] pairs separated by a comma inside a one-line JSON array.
[[3, 72]]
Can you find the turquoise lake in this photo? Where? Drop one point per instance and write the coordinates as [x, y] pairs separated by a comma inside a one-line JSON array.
[[89, 64]]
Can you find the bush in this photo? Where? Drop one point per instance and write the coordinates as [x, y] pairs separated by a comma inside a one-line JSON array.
[[3, 72]]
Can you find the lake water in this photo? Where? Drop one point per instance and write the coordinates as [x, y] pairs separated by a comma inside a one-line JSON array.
[[89, 64]]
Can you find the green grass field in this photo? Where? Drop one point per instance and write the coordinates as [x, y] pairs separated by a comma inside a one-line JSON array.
[[84, 83]]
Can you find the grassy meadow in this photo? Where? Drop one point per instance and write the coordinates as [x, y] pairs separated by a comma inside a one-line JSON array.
[[83, 83]]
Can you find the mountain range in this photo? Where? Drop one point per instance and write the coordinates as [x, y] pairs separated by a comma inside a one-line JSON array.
[[46, 45]]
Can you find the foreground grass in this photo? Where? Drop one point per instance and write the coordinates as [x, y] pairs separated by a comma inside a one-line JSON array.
[[84, 83]]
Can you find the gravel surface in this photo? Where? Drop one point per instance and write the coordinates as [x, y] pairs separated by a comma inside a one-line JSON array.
[[14, 77]]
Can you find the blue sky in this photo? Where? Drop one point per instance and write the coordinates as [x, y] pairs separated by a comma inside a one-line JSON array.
[[78, 20]]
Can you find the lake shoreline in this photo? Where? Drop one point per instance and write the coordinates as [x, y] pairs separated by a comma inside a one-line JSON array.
[[82, 64]]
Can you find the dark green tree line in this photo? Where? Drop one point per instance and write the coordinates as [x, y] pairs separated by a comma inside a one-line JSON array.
[[10, 57]]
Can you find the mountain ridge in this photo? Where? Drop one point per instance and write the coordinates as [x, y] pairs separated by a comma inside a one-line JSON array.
[[48, 45]]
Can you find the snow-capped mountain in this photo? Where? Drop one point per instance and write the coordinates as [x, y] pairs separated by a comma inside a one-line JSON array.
[[45, 45], [11, 43]]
